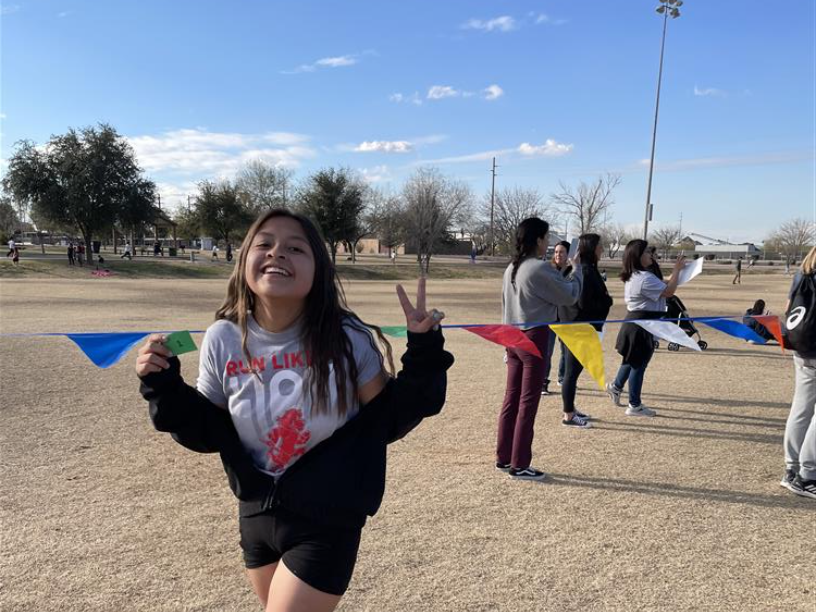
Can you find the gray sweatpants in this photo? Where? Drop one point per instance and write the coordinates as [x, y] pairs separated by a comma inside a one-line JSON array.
[[800, 430]]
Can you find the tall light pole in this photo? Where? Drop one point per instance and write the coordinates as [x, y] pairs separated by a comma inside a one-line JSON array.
[[667, 8]]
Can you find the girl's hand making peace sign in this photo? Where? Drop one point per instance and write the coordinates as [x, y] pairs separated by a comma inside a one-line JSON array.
[[418, 319]]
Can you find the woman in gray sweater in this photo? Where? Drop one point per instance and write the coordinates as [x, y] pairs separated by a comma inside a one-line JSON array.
[[531, 293]]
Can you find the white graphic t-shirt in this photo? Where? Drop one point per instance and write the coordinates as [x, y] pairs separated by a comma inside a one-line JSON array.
[[273, 415]]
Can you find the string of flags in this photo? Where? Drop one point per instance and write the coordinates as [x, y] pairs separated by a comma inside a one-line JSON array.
[[106, 349]]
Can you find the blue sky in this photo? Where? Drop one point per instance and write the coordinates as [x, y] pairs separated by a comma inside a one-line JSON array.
[[557, 90]]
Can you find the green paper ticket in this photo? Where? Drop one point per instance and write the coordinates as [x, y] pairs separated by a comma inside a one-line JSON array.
[[180, 343]]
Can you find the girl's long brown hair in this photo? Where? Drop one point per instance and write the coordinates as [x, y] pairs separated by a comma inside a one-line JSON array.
[[324, 315], [631, 258]]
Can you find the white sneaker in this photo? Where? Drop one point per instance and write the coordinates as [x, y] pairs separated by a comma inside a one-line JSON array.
[[614, 393], [641, 410]]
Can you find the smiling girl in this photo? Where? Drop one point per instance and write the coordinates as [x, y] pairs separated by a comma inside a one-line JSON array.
[[293, 394]]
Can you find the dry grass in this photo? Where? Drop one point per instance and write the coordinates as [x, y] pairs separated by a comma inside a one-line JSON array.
[[682, 512]]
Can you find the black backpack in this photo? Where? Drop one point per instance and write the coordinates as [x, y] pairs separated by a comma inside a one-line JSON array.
[[800, 320]]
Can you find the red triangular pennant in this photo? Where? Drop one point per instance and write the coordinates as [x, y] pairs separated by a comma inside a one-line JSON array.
[[506, 335], [771, 323]]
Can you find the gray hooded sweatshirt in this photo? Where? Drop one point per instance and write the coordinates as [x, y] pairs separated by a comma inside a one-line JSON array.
[[539, 290]]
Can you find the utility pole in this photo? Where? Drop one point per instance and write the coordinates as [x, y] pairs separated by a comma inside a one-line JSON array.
[[492, 204]]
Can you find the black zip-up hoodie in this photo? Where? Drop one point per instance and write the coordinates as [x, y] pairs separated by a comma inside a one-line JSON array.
[[594, 303], [340, 481]]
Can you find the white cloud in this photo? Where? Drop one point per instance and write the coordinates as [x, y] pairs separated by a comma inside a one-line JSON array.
[[377, 174], [761, 159], [493, 92], [542, 18], [175, 194], [8, 9], [550, 148], [709, 91], [198, 151], [505, 23], [2, 115], [399, 98], [339, 61], [437, 92], [385, 146], [63, 14], [336, 62]]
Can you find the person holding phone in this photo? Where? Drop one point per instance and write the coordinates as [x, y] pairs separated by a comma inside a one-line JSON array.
[[560, 261], [645, 295], [532, 290]]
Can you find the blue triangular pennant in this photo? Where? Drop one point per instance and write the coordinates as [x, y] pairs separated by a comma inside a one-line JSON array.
[[106, 350], [733, 328]]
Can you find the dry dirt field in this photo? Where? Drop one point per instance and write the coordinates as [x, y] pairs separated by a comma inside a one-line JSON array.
[[680, 512]]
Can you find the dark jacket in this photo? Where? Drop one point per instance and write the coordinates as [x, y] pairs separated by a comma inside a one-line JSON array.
[[341, 480], [634, 343], [758, 327], [594, 302]]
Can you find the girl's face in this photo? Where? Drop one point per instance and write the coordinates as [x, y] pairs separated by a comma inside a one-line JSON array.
[[560, 255], [280, 263], [646, 259], [599, 251]]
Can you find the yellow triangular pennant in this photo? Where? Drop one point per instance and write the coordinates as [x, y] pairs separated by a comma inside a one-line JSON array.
[[582, 341]]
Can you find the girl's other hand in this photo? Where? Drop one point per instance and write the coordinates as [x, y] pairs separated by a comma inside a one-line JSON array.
[[681, 261], [153, 356], [418, 319]]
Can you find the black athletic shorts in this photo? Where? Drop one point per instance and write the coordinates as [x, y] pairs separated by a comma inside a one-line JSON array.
[[320, 555]]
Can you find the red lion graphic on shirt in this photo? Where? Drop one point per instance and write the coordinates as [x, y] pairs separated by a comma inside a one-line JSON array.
[[287, 439]]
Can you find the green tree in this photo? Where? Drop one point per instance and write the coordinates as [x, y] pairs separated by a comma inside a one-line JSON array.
[[334, 199], [188, 224], [221, 210], [9, 220], [82, 178]]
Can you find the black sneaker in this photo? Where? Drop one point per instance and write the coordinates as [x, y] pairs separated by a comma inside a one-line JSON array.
[[527, 473], [576, 422], [503, 467], [578, 413], [787, 479], [545, 390], [803, 488]]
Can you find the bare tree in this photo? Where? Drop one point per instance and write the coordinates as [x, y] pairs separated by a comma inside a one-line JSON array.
[[793, 238], [386, 218], [665, 237], [264, 186], [433, 204], [513, 205], [588, 202], [615, 237]]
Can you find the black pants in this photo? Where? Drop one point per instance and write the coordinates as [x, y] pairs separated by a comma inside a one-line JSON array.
[[572, 370]]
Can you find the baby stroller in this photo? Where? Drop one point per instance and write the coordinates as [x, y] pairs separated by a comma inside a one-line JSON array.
[[676, 310]]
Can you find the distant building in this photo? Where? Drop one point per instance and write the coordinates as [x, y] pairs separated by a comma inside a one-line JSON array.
[[728, 251]]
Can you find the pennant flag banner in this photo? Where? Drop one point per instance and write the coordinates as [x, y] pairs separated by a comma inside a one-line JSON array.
[[584, 342], [506, 335], [669, 332], [733, 328], [771, 323], [106, 350], [398, 331]]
